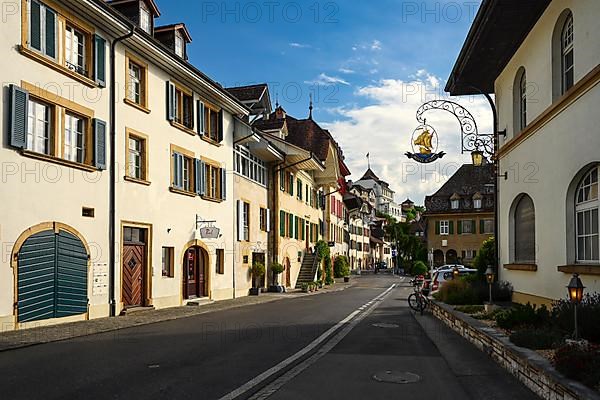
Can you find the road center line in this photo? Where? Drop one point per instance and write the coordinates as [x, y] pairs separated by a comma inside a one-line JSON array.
[[293, 358]]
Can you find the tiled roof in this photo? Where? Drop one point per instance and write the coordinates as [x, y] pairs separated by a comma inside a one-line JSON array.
[[269, 124], [307, 134], [248, 93]]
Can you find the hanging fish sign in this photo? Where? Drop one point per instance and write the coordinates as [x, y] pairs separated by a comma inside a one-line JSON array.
[[424, 144]]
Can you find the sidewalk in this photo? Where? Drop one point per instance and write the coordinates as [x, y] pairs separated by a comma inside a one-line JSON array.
[[12, 340]]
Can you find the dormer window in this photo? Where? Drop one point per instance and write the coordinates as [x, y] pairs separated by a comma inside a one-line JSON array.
[[179, 45], [145, 18], [455, 204]]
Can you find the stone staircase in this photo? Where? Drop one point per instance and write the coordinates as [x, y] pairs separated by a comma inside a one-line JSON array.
[[308, 270]]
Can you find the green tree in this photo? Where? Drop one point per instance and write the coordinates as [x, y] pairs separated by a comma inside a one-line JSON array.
[[485, 256], [409, 247]]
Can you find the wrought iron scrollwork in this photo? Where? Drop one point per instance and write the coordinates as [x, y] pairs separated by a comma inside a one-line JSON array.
[[471, 139]]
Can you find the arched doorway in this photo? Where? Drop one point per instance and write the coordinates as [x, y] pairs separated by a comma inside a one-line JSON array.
[[195, 273], [438, 258], [51, 273], [451, 257]]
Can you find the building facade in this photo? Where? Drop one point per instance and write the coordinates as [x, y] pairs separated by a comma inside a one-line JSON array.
[[548, 227], [460, 215]]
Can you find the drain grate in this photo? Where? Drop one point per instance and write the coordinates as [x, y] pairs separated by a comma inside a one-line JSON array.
[[401, 378], [386, 326]]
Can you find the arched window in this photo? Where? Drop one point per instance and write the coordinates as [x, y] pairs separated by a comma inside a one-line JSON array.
[[563, 60], [586, 220], [520, 101], [524, 231], [567, 71]]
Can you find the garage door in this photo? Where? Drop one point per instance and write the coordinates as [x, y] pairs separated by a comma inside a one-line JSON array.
[[52, 277]]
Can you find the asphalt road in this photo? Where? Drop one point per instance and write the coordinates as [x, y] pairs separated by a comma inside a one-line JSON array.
[[211, 355]]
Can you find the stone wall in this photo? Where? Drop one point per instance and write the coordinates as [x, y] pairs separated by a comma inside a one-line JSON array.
[[533, 370]]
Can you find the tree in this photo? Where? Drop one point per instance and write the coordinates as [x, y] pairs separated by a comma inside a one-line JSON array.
[[485, 256], [409, 247]]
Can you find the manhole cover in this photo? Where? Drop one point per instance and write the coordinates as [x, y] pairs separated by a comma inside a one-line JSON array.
[[386, 326], [396, 377]]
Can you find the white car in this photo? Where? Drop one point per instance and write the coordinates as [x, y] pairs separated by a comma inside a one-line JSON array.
[[443, 275]]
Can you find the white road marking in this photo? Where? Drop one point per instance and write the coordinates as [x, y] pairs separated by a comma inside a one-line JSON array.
[[293, 358]]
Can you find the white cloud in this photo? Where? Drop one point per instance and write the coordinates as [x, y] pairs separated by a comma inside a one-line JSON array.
[[346, 70], [299, 45], [384, 128], [376, 45], [325, 80]]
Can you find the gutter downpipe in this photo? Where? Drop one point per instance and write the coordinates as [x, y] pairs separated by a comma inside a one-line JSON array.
[[113, 164]]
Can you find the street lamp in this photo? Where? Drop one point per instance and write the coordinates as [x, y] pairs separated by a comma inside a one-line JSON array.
[[575, 288], [455, 273], [489, 276], [477, 158]]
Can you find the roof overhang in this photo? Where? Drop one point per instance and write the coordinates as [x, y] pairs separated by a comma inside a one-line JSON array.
[[498, 30], [266, 151], [296, 158]]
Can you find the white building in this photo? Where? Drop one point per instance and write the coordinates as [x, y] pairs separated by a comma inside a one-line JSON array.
[[384, 195], [542, 61]]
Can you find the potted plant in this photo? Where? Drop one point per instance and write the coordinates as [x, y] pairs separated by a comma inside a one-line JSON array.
[[305, 287], [276, 269], [257, 270]]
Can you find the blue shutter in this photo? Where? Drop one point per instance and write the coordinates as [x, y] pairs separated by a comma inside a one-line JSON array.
[[178, 170], [35, 23], [198, 176], [201, 122], [100, 61], [99, 143], [19, 110], [223, 184], [240, 220], [202, 178], [221, 126], [71, 276], [50, 33], [170, 101]]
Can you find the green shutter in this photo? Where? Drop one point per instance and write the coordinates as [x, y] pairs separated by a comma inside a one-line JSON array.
[[50, 33], [290, 232], [19, 110], [451, 229], [437, 227], [100, 61], [296, 227], [99, 143], [35, 22], [459, 227], [71, 276], [281, 223], [282, 180], [481, 226], [291, 185]]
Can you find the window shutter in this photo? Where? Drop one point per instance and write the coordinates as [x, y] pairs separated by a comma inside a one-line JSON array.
[[282, 180], [202, 178], [291, 185], [291, 226], [198, 176], [99, 143], [474, 227], [281, 223], [201, 121], [50, 33], [268, 219], [100, 61], [481, 226], [240, 220], [221, 126], [223, 184], [437, 227], [177, 170], [35, 22], [170, 101], [459, 227], [451, 229], [296, 226], [19, 116]]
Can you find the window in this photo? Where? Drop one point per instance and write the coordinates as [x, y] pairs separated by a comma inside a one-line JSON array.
[[75, 49], [184, 108], [523, 102], [250, 166], [454, 204], [145, 18], [211, 123], [520, 101], [183, 167], [168, 262], [75, 138], [246, 221], [568, 73], [39, 127], [444, 227], [179, 45], [299, 189], [468, 227], [220, 263], [264, 219], [477, 204], [524, 230], [586, 210], [487, 226], [136, 157], [290, 188], [213, 181], [136, 82], [42, 28]]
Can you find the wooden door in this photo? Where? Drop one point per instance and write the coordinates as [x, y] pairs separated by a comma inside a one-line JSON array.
[[288, 273], [133, 275], [194, 274]]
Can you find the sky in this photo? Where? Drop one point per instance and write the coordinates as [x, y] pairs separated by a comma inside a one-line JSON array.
[[369, 65]]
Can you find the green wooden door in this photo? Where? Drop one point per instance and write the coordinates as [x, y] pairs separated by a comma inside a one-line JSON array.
[[52, 277]]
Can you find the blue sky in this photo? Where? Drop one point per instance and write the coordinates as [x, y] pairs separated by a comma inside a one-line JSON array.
[[354, 56]]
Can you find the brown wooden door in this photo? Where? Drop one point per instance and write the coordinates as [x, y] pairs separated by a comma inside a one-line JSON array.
[[194, 274], [288, 273], [133, 275]]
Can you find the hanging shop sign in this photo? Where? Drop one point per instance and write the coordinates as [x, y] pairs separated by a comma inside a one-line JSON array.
[[424, 142]]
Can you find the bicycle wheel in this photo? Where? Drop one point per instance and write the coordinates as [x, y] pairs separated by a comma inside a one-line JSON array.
[[413, 302]]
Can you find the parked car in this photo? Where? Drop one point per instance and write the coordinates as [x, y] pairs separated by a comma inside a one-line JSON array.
[[444, 275]]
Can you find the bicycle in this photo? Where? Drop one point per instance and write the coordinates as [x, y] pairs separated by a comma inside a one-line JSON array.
[[417, 300]]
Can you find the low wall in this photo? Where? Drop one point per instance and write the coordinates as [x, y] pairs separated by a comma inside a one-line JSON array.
[[533, 370]]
